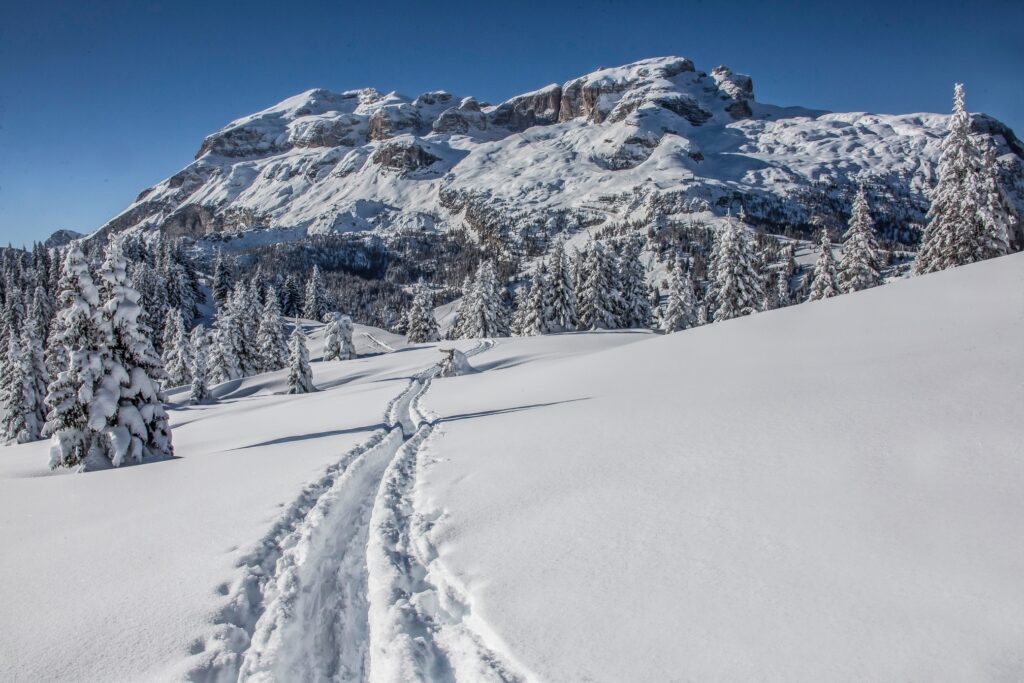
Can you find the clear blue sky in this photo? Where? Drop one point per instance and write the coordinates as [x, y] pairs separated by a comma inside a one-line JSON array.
[[99, 100]]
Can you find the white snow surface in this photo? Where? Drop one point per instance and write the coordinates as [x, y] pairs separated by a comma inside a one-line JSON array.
[[832, 491]]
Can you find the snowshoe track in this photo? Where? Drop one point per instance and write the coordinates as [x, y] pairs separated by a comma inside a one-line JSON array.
[[346, 585]]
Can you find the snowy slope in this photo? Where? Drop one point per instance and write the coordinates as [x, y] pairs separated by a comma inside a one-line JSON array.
[[830, 491], [610, 144]]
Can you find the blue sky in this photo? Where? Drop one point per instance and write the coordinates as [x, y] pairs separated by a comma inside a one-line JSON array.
[[99, 100]]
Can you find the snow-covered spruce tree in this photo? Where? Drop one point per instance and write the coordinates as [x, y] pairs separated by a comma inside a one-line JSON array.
[[681, 306], [152, 289], [18, 423], [422, 326], [636, 307], [345, 330], [300, 376], [200, 391], [562, 294], [127, 409], [222, 361], [223, 280], [736, 288], [271, 346], [996, 212], [315, 304], [241, 324], [291, 296], [782, 296], [520, 304], [459, 317], [536, 311], [962, 225], [598, 298], [177, 356], [80, 354], [826, 281], [35, 356], [859, 267], [484, 314], [41, 311], [332, 338]]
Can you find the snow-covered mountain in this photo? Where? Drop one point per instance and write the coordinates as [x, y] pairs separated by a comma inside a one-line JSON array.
[[656, 137]]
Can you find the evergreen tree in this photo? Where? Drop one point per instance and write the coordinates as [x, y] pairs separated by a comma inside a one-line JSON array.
[[332, 339], [300, 376], [826, 281], [484, 314], [223, 363], [36, 371], [291, 296], [562, 300], [782, 297], [78, 345], [177, 358], [965, 221], [223, 280], [681, 306], [422, 326], [538, 317], [996, 212], [859, 267], [271, 346], [242, 324], [200, 392], [127, 407], [315, 304], [520, 306], [636, 308], [736, 288], [18, 422], [459, 317], [598, 298]]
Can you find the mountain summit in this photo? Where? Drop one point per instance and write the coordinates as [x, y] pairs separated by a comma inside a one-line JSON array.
[[657, 136]]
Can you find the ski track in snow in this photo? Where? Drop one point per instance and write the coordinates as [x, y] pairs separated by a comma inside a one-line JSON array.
[[346, 586], [387, 347]]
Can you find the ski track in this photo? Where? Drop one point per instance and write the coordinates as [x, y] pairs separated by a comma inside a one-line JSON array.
[[346, 585]]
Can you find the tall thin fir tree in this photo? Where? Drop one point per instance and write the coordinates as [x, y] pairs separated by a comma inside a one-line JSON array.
[[80, 359], [965, 224], [223, 279], [520, 306], [332, 338], [200, 390], [422, 326], [484, 314], [271, 346], [736, 288], [315, 305], [562, 300], [996, 212], [782, 295], [177, 355], [826, 280], [537, 314], [300, 375], [859, 267], [127, 407], [223, 363], [459, 317]]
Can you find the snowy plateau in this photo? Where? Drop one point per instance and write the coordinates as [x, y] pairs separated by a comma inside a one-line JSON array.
[[826, 491]]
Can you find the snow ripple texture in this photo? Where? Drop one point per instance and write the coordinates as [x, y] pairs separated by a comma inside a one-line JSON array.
[[346, 586]]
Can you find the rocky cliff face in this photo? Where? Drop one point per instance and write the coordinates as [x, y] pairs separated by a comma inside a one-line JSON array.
[[658, 129]]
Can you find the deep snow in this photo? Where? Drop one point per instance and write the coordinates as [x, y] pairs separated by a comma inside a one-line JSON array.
[[827, 492]]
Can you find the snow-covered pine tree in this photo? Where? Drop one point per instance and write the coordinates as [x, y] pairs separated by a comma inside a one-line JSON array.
[[996, 212], [826, 281], [962, 227], [636, 308], [242, 326], [736, 288], [859, 267], [520, 306], [291, 296], [422, 326], [177, 355], [271, 346], [345, 330], [562, 298], [200, 390], [536, 314], [17, 401], [126, 410], [484, 314], [681, 306], [598, 298], [300, 376], [459, 317], [79, 351], [315, 304], [332, 338]]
